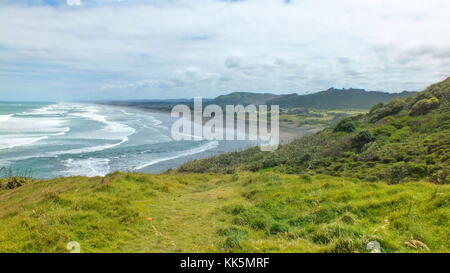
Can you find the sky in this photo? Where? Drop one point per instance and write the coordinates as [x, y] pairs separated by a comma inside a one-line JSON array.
[[155, 49]]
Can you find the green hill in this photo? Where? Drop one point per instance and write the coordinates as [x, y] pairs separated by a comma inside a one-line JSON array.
[[381, 176], [244, 98], [245, 212], [338, 99], [401, 140], [329, 99]]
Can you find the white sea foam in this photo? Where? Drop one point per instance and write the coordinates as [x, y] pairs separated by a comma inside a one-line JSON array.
[[53, 109], [200, 149], [62, 132], [9, 142], [5, 117], [112, 130], [98, 127], [86, 167], [149, 121], [89, 149], [24, 131], [156, 122], [31, 125]]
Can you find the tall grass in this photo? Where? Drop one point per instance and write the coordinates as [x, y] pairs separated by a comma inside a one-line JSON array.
[[245, 212]]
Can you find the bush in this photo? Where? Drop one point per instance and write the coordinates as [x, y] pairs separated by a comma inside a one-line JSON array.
[[385, 130], [362, 139], [441, 177], [376, 107], [345, 125], [15, 182], [306, 178], [397, 173], [286, 169], [392, 108], [423, 106], [417, 170]]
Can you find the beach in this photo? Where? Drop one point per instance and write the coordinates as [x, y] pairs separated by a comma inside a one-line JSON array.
[[288, 132], [96, 139]]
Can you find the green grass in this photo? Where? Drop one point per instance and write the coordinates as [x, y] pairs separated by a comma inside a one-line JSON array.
[[315, 194], [245, 212], [317, 117], [402, 140]]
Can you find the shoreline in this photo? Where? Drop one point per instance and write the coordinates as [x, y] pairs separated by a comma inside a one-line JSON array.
[[287, 134]]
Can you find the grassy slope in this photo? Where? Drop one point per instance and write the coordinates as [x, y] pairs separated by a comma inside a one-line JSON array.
[[403, 140], [329, 99], [337, 99], [323, 118], [267, 210], [251, 212]]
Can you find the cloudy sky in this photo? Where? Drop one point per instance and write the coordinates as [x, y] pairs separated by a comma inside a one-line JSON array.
[[116, 49]]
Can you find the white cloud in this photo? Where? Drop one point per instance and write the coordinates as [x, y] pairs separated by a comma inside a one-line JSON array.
[[206, 47], [73, 2]]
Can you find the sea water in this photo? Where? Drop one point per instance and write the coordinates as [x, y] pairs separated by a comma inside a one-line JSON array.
[[66, 139]]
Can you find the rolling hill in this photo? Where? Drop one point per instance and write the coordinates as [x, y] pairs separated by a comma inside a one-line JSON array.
[[329, 99], [400, 140], [338, 99], [378, 177]]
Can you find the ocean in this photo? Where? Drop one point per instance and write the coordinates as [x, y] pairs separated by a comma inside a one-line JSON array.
[[66, 139]]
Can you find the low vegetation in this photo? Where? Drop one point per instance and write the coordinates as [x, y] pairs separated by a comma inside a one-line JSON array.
[[14, 178], [315, 117], [329, 99], [376, 178], [403, 140], [245, 212]]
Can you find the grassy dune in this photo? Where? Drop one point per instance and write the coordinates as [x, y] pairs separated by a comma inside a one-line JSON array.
[[245, 212]]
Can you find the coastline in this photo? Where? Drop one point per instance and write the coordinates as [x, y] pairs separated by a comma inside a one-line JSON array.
[[287, 134]]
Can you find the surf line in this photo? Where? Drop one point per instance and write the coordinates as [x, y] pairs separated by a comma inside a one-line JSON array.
[[235, 123]]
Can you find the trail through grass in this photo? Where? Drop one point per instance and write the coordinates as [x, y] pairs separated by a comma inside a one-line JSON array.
[[245, 212]]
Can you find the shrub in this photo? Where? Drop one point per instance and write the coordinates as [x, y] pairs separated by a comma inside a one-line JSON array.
[[371, 152], [286, 169], [15, 182], [395, 106], [397, 173], [306, 178], [345, 125], [392, 108], [362, 139], [417, 170], [441, 177], [305, 158], [423, 106], [376, 107], [371, 178], [385, 130]]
